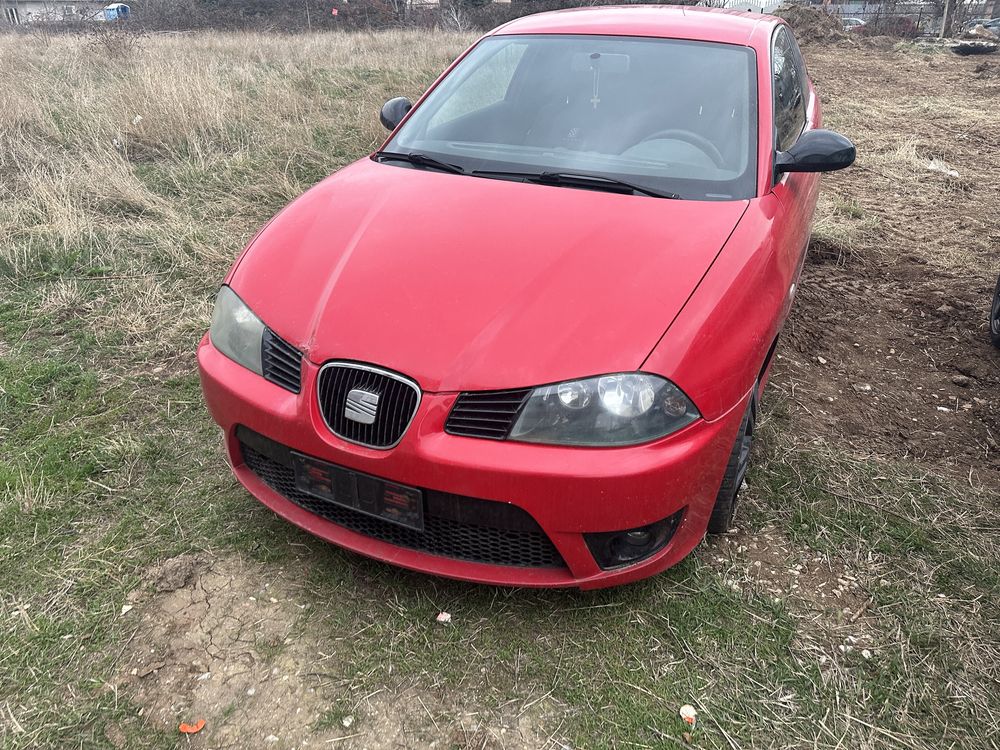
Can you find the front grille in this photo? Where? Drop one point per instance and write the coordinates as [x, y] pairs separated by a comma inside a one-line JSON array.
[[486, 414], [281, 362], [456, 527], [397, 401]]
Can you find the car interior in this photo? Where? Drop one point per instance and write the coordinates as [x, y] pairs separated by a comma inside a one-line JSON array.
[[646, 101]]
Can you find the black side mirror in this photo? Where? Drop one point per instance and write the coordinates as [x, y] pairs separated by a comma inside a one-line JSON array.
[[393, 112], [816, 151]]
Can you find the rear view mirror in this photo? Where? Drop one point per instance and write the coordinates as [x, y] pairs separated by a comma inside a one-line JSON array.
[[606, 62], [393, 112], [816, 151]]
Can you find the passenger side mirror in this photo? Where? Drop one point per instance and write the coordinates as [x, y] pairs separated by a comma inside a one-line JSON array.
[[816, 151], [393, 112]]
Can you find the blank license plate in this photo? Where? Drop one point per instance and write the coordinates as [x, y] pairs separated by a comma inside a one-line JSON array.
[[389, 501]]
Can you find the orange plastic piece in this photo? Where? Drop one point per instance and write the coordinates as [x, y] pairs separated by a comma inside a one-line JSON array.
[[192, 728]]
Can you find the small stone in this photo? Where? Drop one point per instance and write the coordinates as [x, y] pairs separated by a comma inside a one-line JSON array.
[[821, 360], [962, 381], [347, 721]]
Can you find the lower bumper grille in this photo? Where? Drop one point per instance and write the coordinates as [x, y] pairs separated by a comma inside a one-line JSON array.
[[461, 528]]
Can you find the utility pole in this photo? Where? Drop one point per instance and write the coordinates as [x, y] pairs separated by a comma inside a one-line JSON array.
[[944, 18]]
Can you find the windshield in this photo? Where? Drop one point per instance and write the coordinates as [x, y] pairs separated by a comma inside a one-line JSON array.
[[672, 116]]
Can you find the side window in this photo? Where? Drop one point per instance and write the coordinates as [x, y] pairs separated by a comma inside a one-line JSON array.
[[789, 83], [800, 68], [486, 85]]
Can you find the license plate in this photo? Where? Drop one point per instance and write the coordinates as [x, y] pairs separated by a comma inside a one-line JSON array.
[[389, 501]]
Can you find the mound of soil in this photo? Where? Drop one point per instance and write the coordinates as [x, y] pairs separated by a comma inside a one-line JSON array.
[[811, 25], [987, 70]]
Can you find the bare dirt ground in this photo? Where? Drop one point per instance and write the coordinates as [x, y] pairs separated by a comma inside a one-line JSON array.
[[235, 642], [888, 348]]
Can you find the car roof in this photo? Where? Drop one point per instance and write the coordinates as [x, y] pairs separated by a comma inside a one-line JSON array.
[[667, 21]]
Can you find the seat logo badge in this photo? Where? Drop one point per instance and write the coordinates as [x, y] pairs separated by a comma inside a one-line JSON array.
[[361, 406]]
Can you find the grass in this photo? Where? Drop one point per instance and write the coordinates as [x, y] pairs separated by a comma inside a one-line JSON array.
[[128, 189]]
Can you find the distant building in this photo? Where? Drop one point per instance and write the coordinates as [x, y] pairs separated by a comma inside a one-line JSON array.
[[29, 11]]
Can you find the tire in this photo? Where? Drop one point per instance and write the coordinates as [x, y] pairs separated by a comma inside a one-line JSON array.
[[995, 317], [736, 469]]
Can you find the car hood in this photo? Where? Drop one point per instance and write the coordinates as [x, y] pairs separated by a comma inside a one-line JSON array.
[[465, 283]]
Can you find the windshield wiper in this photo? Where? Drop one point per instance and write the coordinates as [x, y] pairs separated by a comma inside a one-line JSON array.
[[579, 179], [419, 160]]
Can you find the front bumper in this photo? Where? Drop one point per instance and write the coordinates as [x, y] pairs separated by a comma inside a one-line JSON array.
[[567, 491]]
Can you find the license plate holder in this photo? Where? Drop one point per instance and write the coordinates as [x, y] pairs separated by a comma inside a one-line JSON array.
[[392, 502]]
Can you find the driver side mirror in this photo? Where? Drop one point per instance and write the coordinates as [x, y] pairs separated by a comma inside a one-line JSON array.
[[816, 151], [393, 112]]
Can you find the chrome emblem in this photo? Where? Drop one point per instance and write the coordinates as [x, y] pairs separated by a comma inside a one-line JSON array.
[[361, 406]]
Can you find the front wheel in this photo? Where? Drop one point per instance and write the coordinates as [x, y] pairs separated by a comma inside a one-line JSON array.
[[995, 317], [736, 470]]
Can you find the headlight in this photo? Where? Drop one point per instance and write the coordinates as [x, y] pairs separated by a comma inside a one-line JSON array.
[[236, 331], [621, 409]]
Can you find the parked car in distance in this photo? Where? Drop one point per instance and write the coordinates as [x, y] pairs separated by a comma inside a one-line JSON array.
[[853, 24], [992, 24], [113, 12], [524, 342]]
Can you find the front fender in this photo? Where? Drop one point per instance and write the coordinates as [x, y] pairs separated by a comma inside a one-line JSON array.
[[715, 348]]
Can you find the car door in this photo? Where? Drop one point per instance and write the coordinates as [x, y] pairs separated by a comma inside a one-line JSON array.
[[795, 110]]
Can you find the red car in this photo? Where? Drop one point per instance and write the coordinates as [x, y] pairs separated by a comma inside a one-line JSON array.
[[523, 343]]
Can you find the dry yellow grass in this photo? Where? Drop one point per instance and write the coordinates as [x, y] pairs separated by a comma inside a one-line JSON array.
[[155, 168], [76, 126]]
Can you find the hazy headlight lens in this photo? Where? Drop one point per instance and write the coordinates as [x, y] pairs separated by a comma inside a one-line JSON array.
[[626, 395], [573, 395], [621, 409], [236, 331]]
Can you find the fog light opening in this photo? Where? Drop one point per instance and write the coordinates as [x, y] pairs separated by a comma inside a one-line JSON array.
[[614, 549]]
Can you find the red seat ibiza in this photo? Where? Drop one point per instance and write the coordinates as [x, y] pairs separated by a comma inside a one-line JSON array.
[[523, 342]]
